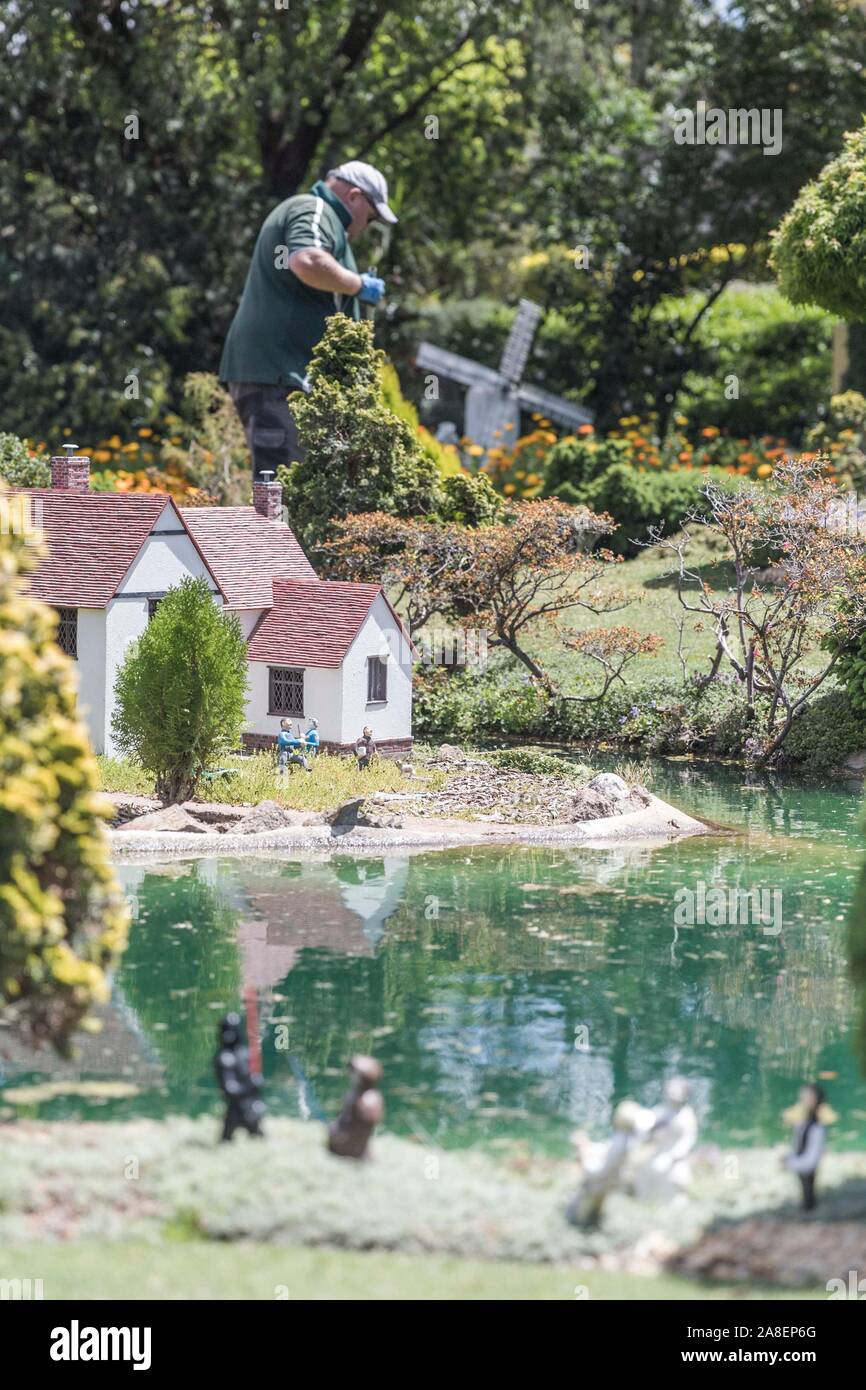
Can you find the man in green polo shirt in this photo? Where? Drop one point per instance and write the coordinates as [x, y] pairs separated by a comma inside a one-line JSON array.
[[302, 271]]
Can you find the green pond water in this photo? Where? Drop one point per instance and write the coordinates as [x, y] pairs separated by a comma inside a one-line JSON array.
[[511, 993]]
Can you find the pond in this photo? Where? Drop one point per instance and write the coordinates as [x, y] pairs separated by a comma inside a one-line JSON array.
[[512, 994]]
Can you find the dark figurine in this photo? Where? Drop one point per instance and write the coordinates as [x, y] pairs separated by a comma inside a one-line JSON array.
[[244, 1105], [363, 1109]]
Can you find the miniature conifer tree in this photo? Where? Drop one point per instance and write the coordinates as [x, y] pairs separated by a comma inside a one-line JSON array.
[[181, 691]]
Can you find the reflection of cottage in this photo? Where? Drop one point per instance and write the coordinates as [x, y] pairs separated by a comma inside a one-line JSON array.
[[333, 651], [339, 908]]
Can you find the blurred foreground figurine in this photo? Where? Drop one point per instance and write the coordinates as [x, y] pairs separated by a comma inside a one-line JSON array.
[[648, 1156], [363, 1108], [809, 1118], [244, 1105]]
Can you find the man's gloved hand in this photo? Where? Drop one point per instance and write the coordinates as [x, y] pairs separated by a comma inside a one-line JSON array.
[[372, 289]]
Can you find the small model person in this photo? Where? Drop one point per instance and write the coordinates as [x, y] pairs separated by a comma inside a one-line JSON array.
[[365, 749], [289, 747], [809, 1119], [312, 738], [363, 1109], [245, 1108]]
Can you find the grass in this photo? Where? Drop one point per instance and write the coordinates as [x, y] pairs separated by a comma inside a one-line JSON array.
[[331, 781], [252, 1270]]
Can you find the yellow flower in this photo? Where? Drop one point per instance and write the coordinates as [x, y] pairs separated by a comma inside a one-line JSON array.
[[145, 433], [509, 488], [475, 450], [765, 470]]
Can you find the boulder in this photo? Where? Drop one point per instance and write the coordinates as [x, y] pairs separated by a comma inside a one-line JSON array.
[[856, 762], [269, 816], [449, 752], [347, 813], [127, 807], [610, 785], [174, 818]]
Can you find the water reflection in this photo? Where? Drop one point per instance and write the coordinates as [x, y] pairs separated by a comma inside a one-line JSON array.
[[510, 993]]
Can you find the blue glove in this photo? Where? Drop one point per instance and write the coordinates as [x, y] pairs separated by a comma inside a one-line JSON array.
[[372, 289]]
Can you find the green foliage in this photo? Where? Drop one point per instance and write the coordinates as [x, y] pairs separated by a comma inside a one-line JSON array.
[[659, 715], [216, 458], [62, 923], [819, 249], [359, 456], [181, 690], [21, 466], [851, 671], [533, 760], [471, 500], [829, 730], [637, 500], [779, 354], [576, 462]]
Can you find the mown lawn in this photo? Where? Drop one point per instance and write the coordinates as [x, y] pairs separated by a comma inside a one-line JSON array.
[[248, 1270]]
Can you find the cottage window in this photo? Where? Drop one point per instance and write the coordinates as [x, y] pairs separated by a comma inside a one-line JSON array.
[[67, 631], [152, 605], [286, 691], [377, 680]]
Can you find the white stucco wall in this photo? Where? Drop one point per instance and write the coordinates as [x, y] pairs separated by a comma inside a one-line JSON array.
[[164, 560], [90, 668], [322, 701], [379, 636]]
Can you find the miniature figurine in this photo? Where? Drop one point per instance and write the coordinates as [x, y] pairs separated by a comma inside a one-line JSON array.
[[664, 1172], [363, 1108], [647, 1156], [809, 1118], [603, 1163], [244, 1105]]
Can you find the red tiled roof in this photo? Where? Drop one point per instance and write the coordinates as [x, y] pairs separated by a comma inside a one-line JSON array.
[[312, 623], [92, 539], [246, 552]]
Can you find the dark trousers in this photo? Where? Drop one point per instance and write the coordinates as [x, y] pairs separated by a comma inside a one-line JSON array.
[[807, 1183], [272, 435]]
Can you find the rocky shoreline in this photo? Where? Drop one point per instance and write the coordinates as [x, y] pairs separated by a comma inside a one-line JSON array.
[[479, 802]]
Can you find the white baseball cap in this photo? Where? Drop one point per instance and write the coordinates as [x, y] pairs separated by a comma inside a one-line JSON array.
[[370, 181]]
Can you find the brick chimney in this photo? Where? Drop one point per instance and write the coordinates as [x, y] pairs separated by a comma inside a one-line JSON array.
[[70, 471], [268, 496]]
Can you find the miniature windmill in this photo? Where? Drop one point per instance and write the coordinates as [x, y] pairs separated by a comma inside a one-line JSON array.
[[495, 399]]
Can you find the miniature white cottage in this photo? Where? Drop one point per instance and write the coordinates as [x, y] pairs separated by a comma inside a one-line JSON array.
[[319, 649]]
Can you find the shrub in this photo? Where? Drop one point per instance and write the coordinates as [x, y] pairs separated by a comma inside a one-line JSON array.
[[62, 922], [829, 731], [535, 761], [360, 457], [21, 466], [578, 461], [780, 355], [471, 500], [819, 248], [638, 500], [181, 691]]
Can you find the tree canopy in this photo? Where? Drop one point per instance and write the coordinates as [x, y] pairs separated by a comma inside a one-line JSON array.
[[145, 140]]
